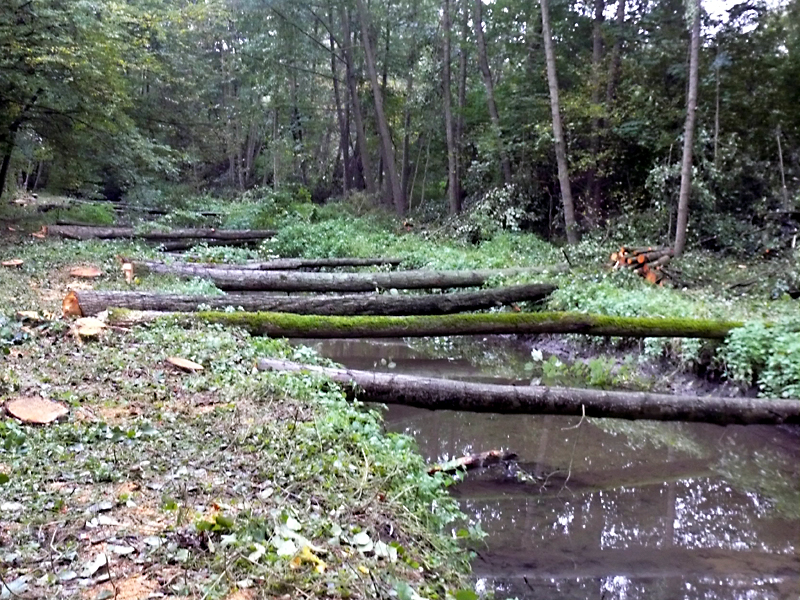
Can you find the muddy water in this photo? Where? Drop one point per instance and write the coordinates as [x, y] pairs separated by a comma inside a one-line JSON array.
[[601, 508]]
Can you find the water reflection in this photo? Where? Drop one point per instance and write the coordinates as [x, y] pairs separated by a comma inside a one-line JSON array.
[[609, 509]]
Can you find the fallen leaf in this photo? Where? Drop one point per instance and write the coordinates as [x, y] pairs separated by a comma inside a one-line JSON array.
[[14, 262], [70, 307], [184, 363], [306, 556], [85, 272], [36, 410]]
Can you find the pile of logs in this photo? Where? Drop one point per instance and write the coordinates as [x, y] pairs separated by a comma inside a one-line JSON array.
[[645, 261]]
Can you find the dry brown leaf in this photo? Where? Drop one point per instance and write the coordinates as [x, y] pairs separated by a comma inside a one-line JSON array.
[[14, 262], [248, 594], [85, 272], [36, 410], [184, 363]]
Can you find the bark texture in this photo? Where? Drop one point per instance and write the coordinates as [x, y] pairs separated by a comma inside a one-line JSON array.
[[688, 136], [452, 152], [287, 264], [292, 281], [89, 302], [558, 131], [88, 233], [443, 394]]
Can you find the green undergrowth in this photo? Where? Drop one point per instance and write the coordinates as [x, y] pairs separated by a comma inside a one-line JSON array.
[[227, 478]]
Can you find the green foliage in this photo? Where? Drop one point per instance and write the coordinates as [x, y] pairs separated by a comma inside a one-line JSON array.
[[93, 213], [600, 372], [766, 356]]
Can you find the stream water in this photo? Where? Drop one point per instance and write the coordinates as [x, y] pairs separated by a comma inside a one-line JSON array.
[[604, 509]]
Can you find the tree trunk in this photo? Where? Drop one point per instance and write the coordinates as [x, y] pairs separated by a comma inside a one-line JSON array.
[[462, 96], [616, 57], [406, 158], [283, 264], [10, 140], [443, 394], [106, 233], [4, 166], [292, 281], [716, 111], [494, 115], [344, 133], [786, 204], [358, 116], [594, 212], [688, 135], [398, 198], [558, 132], [87, 302], [452, 152]]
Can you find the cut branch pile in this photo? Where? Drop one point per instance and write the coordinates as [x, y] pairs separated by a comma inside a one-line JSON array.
[[646, 261]]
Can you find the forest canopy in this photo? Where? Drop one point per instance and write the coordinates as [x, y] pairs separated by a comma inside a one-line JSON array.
[[427, 106]]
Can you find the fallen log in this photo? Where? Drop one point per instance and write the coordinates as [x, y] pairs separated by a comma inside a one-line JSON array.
[[472, 461], [443, 394], [188, 244], [315, 326], [90, 302], [291, 281], [87, 233], [287, 264]]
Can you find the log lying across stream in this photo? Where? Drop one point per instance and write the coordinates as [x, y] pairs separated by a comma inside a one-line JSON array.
[[315, 326], [76, 232], [443, 394], [88, 302], [292, 281], [276, 264]]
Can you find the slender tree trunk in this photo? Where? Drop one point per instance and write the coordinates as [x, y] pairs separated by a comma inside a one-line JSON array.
[[452, 153], [462, 95], [688, 135], [716, 115], [786, 204], [38, 175], [594, 212], [384, 82], [344, 133], [361, 136], [616, 57], [275, 148], [383, 127], [558, 132], [406, 159], [4, 167], [494, 115]]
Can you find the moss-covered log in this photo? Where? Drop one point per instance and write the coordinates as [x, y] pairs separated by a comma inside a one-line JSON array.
[[311, 326], [443, 394], [90, 302], [104, 233], [284, 264], [292, 281]]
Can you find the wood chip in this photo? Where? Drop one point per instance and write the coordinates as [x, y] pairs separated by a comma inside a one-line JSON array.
[[185, 364], [127, 269], [89, 326], [36, 410], [14, 262], [85, 272]]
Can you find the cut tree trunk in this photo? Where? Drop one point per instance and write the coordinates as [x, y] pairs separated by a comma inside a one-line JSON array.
[[288, 264], [89, 302], [443, 394], [315, 326], [89, 233], [292, 281]]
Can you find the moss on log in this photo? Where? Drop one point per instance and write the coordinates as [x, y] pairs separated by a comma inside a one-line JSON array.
[[290, 325], [287, 325]]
